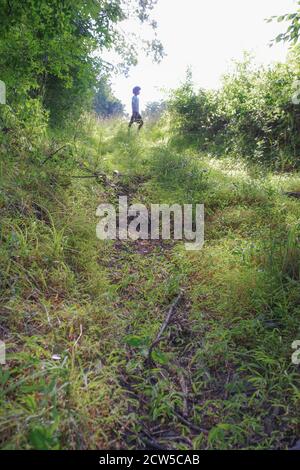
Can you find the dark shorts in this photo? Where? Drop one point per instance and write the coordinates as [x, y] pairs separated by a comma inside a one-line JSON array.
[[136, 117]]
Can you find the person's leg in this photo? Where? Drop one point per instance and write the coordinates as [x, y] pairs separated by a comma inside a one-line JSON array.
[[141, 123], [131, 121]]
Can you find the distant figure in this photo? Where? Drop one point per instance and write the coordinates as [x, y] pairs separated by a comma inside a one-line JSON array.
[[136, 117]]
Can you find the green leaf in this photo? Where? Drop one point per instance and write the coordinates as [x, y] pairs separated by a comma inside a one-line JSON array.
[[159, 357], [135, 341], [281, 18], [43, 439]]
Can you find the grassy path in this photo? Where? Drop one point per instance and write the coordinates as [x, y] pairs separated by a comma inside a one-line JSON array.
[[80, 315], [219, 377]]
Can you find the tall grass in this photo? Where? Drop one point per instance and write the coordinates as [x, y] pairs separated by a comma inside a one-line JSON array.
[[78, 315]]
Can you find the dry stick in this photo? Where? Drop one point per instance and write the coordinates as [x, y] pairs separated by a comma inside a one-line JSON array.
[[92, 173], [60, 148], [80, 334], [47, 314], [81, 165], [151, 444], [84, 176], [184, 389], [158, 338], [54, 153], [170, 313], [190, 425], [295, 194], [100, 178], [149, 441]]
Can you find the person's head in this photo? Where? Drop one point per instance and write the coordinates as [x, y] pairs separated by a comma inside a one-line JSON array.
[[136, 91]]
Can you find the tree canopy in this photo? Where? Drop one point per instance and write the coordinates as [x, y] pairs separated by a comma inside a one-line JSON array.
[[52, 49], [292, 33], [105, 103]]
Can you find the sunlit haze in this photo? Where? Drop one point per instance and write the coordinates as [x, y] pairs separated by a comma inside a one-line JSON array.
[[206, 35]]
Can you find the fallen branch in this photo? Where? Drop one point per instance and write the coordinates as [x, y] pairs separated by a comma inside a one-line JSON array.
[[54, 153], [185, 392], [295, 194], [85, 176], [99, 177], [168, 318], [92, 174], [190, 425], [80, 334], [47, 314], [82, 166], [150, 442]]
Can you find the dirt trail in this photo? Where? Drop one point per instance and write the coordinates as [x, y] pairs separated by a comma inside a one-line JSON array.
[[154, 432]]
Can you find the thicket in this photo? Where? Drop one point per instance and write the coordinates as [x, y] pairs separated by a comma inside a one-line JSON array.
[[51, 52], [255, 114]]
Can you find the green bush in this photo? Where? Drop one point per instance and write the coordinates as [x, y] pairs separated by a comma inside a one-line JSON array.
[[252, 115]]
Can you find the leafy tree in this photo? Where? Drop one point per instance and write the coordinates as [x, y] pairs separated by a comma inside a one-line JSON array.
[[51, 49], [293, 31], [252, 115], [155, 109], [105, 103], [196, 114]]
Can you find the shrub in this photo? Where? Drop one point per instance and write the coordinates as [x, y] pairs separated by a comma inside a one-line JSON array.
[[252, 115]]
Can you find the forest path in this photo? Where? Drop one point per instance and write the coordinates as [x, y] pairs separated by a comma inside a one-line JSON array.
[[166, 382], [209, 381]]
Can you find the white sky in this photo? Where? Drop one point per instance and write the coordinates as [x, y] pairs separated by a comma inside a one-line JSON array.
[[206, 35]]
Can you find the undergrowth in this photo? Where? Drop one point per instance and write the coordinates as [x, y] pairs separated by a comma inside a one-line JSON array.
[[78, 315]]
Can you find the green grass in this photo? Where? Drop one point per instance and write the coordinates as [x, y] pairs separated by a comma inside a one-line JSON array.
[[78, 314]]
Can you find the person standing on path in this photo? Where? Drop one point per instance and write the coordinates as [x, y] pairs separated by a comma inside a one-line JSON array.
[[136, 117]]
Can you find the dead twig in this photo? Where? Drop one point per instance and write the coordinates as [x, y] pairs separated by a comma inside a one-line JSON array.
[[80, 334], [185, 392], [148, 440], [190, 425], [92, 174], [81, 165], [168, 318], [84, 176], [54, 153], [47, 314]]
